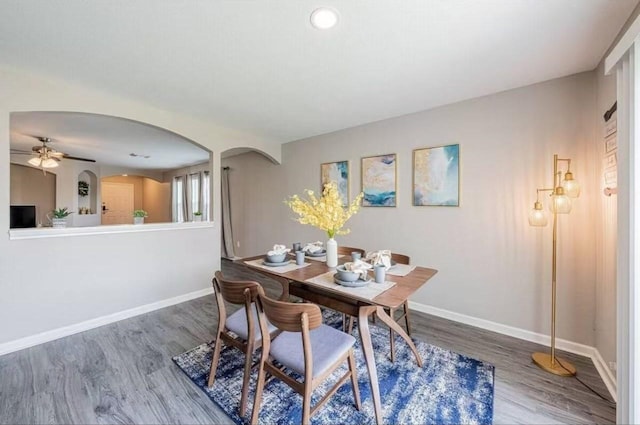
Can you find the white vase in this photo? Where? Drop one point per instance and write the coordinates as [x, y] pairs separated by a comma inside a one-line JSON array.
[[138, 220], [197, 218], [332, 253]]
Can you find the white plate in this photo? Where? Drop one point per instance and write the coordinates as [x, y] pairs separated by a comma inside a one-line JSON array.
[[354, 284], [268, 264], [316, 254]]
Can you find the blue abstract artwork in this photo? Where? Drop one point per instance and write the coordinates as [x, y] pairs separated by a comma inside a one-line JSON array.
[[339, 173], [436, 176], [379, 181]]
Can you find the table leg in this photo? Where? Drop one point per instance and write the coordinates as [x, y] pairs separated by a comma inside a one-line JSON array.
[[367, 348], [398, 329]]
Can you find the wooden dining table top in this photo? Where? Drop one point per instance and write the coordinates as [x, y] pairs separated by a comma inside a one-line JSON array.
[[392, 298]]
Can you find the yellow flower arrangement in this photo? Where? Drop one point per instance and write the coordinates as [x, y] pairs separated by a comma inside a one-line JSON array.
[[326, 213]]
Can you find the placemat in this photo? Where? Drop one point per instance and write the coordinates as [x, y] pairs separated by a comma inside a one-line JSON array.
[[280, 269], [401, 270], [368, 292]]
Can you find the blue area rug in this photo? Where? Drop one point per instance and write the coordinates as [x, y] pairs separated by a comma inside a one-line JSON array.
[[449, 389]]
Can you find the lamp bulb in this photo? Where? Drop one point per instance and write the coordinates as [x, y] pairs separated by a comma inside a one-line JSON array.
[[560, 203], [537, 216], [571, 187]]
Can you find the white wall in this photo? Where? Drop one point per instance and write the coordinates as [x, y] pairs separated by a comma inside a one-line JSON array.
[[492, 264], [50, 283], [606, 231]]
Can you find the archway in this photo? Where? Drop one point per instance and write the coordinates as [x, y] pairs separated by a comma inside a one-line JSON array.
[[237, 185], [88, 147]]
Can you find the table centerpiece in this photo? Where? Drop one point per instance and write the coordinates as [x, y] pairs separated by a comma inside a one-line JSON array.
[[326, 213]]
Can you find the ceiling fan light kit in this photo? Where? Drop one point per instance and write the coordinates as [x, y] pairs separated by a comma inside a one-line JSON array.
[[43, 162], [46, 157]]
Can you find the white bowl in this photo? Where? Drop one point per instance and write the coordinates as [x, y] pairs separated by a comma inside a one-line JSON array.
[[346, 275], [277, 258]]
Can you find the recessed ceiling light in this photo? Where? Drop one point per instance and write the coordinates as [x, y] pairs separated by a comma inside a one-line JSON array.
[[324, 18]]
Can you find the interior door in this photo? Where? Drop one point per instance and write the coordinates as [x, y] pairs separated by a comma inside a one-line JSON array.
[[117, 201]]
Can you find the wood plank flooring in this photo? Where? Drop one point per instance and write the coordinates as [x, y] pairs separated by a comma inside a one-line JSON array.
[[123, 373]]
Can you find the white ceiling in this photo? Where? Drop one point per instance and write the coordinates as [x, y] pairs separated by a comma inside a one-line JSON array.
[[108, 140], [258, 66]]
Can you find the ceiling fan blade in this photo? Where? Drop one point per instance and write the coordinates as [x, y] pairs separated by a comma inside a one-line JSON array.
[[65, 156], [46, 150], [21, 153]]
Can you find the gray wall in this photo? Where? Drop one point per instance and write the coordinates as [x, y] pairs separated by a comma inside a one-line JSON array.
[[492, 264], [95, 279]]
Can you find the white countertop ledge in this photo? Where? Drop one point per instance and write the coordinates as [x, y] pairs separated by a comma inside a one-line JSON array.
[[49, 232]]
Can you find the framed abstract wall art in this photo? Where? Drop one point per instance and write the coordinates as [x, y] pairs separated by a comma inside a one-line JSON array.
[[379, 175], [339, 173], [436, 176]]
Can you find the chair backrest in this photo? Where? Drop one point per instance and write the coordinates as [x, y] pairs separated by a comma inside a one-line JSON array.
[[400, 258], [233, 291], [287, 316], [346, 250]]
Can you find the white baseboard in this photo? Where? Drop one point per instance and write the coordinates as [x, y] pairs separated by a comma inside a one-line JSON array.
[[572, 347], [561, 344], [605, 373], [30, 341]]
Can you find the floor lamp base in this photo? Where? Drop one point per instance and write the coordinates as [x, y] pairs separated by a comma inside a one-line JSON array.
[[558, 367]]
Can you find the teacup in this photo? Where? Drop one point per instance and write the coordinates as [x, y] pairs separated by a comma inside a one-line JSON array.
[[379, 272]]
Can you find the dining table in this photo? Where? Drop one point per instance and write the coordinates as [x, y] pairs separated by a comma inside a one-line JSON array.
[[313, 281]]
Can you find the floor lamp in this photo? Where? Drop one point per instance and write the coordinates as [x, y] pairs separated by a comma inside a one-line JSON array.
[[560, 203]]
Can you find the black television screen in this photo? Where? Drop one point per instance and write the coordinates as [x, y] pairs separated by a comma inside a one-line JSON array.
[[22, 216]]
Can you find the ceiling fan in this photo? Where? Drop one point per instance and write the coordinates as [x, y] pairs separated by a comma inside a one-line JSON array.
[[45, 156]]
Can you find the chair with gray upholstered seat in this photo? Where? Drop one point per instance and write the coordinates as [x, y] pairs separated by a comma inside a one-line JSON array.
[[305, 346], [239, 329]]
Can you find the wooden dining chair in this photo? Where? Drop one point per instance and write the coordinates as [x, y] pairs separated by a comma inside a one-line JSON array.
[[345, 250], [305, 346], [238, 330], [400, 259]]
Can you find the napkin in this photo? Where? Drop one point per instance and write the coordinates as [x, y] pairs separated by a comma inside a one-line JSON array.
[[278, 249], [359, 266], [313, 247], [380, 257]]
